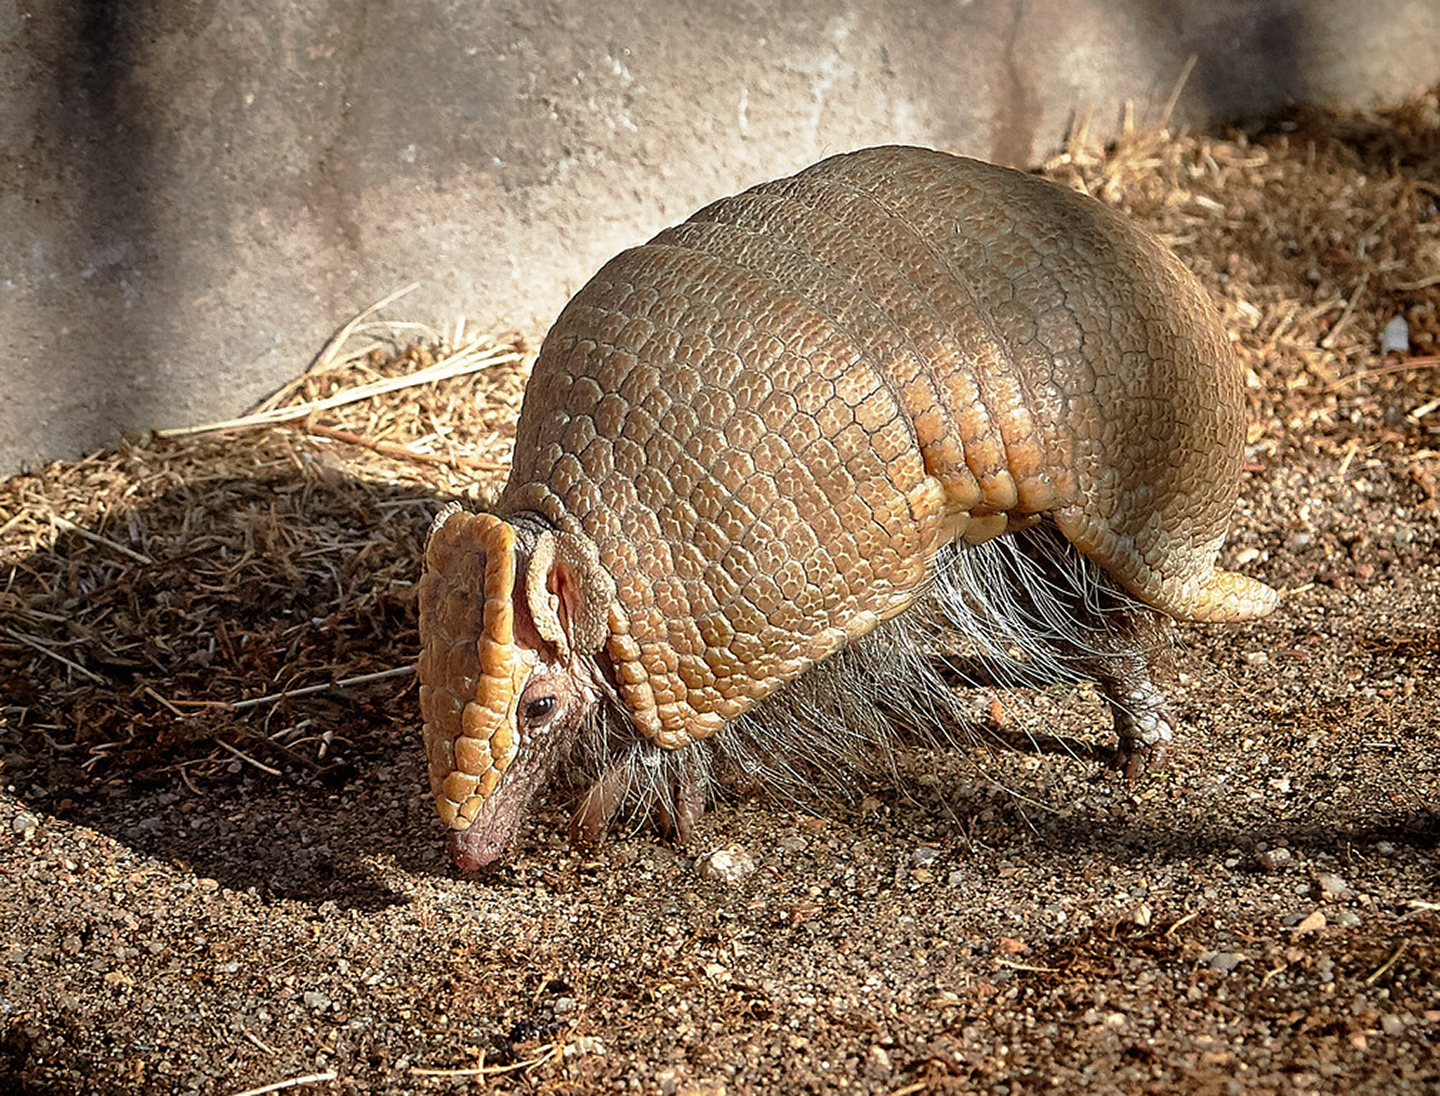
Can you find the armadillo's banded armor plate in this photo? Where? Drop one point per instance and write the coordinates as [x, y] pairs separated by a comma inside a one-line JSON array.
[[770, 418]]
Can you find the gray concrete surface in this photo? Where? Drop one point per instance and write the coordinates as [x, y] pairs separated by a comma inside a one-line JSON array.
[[195, 193]]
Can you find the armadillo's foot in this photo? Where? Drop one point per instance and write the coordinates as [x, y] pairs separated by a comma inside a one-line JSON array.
[[1144, 725], [677, 812], [598, 805], [669, 785]]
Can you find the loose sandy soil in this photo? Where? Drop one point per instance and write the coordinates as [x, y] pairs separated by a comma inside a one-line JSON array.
[[199, 897]]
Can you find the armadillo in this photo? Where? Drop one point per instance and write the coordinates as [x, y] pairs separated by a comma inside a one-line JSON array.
[[781, 469]]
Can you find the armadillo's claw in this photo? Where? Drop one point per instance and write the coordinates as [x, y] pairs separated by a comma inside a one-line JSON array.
[[1136, 759]]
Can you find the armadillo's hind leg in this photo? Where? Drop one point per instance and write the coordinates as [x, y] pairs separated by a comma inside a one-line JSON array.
[[1122, 645], [1130, 676], [1038, 613]]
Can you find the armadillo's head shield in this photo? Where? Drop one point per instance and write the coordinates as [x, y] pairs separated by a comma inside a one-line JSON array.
[[510, 619], [471, 672]]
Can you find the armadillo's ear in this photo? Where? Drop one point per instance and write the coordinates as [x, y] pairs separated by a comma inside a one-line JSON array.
[[569, 593]]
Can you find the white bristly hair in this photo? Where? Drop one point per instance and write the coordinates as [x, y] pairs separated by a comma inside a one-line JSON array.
[[1020, 612]]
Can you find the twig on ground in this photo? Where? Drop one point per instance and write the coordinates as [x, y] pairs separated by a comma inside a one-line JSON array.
[[30, 641], [279, 1086], [480, 354], [95, 538], [310, 690]]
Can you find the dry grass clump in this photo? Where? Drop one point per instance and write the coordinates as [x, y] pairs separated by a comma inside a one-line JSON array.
[[187, 601], [1314, 233], [157, 597]]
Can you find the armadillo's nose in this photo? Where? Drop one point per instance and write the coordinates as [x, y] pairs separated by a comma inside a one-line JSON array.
[[493, 832], [471, 850]]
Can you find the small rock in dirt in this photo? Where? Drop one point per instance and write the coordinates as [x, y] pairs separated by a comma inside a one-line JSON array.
[[1225, 961], [146, 827], [25, 824], [1395, 336], [1391, 1024], [1312, 923], [317, 1001], [1331, 886], [924, 855], [1275, 859], [728, 865]]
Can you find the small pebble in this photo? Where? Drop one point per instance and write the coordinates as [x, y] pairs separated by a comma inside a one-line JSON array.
[[1395, 336], [1391, 1024], [584, 1044], [1384, 848], [1225, 961], [1313, 923], [24, 824], [1275, 859], [1348, 918], [1331, 886], [318, 1001], [925, 855], [728, 865]]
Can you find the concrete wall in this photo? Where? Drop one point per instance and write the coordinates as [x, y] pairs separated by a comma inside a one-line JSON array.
[[195, 193]]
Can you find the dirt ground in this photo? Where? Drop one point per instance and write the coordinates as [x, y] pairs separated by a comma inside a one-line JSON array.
[[206, 888]]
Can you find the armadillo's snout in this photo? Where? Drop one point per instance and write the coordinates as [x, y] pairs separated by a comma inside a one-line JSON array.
[[488, 837]]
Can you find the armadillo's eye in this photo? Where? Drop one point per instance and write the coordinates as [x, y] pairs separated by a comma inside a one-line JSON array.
[[540, 709]]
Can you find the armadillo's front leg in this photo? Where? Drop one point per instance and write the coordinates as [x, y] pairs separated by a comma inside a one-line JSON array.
[[679, 810], [672, 783], [599, 804]]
